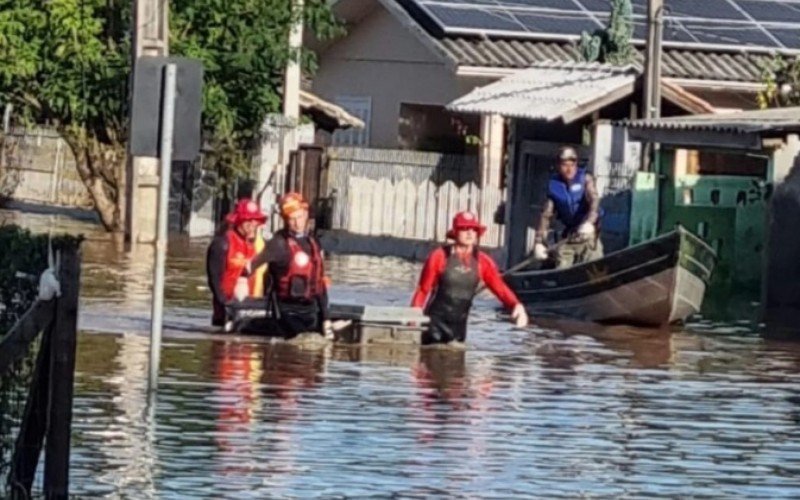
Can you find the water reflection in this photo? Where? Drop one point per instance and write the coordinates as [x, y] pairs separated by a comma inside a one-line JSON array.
[[563, 409]]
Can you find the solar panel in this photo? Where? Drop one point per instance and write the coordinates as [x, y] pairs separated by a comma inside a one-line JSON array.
[[705, 9], [733, 24], [558, 24], [476, 19], [781, 12], [597, 5], [721, 34], [788, 37]]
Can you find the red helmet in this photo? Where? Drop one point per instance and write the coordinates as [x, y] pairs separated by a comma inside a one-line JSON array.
[[246, 210], [465, 220]]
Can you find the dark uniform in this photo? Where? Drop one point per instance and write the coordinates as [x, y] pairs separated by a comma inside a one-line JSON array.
[[298, 294]]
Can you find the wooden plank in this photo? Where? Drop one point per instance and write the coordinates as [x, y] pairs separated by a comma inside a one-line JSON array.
[[385, 205], [421, 212], [16, 343], [62, 373]]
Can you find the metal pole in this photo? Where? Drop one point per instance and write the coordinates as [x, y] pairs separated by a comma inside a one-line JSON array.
[[652, 108], [652, 77], [167, 125]]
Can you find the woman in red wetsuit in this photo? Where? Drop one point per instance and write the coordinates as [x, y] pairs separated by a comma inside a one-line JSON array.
[[450, 280]]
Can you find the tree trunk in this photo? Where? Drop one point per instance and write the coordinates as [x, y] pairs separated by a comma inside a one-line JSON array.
[[100, 166]]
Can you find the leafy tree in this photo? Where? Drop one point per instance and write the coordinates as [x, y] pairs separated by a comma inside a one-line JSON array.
[[612, 45], [781, 78], [66, 63]]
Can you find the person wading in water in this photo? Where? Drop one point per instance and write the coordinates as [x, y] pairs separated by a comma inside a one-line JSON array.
[[297, 283], [450, 279], [228, 255]]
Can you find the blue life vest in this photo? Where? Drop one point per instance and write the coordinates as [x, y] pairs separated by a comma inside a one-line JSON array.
[[569, 199]]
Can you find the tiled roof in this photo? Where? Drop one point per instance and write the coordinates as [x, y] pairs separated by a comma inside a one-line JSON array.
[[676, 63]]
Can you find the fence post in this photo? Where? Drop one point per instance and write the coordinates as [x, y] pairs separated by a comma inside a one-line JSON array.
[[28, 446], [62, 375]]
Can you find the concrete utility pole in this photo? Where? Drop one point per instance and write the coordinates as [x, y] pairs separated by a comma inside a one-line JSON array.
[[151, 38], [292, 75], [652, 93]]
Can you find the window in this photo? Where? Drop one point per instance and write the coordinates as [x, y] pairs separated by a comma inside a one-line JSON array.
[[361, 107]]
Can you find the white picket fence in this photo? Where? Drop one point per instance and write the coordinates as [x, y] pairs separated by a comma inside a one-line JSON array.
[[408, 194]]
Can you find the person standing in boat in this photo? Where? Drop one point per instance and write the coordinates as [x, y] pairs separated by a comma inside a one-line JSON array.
[[450, 279], [228, 256], [572, 199], [297, 284]]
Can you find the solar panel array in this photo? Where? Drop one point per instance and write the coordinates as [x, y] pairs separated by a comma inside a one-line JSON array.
[[765, 24]]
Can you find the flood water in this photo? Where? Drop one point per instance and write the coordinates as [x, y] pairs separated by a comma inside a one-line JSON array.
[[557, 410]]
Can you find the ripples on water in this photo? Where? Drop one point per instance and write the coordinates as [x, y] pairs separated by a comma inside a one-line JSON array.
[[563, 409]]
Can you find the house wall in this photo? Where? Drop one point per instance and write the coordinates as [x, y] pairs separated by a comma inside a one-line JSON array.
[[381, 59]]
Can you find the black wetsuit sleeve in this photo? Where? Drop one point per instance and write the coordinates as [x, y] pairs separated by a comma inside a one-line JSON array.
[[215, 266], [275, 252]]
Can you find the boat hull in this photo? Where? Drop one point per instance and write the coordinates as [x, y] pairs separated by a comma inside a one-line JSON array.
[[652, 284]]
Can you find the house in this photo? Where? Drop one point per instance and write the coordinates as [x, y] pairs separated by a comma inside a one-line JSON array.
[[397, 70], [735, 180], [421, 74]]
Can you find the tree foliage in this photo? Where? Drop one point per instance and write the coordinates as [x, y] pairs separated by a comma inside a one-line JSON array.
[[781, 78], [66, 63], [244, 48], [612, 45]]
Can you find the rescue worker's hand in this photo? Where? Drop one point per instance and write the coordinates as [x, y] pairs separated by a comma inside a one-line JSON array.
[[520, 316], [242, 289], [540, 252], [586, 231], [327, 329]]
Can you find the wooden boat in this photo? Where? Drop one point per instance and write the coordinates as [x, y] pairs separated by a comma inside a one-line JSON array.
[[654, 283]]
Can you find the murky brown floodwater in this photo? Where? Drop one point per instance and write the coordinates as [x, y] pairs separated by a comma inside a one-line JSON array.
[[559, 410]]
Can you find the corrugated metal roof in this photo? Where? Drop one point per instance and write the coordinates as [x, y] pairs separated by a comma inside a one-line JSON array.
[[550, 91], [743, 122], [677, 63], [331, 112]]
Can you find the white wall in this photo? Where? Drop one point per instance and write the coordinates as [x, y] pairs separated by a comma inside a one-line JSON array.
[[381, 59]]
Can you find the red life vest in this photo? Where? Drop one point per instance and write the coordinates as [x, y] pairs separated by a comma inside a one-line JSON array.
[[305, 277], [240, 251]]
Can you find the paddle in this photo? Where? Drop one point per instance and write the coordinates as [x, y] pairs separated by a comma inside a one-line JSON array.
[[522, 265]]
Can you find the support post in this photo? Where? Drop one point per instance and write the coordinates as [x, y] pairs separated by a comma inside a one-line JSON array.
[[167, 124], [652, 79], [63, 341]]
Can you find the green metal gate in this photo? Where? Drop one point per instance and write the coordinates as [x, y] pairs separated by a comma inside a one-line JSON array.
[[729, 212]]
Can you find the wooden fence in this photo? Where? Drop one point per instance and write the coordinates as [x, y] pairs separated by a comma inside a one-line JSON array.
[[47, 418], [408, 194]]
